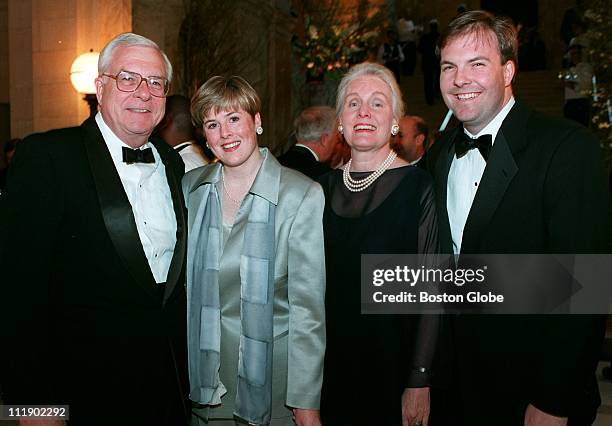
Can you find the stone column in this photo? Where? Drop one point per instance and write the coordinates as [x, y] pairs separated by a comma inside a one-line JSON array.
[[45, 36]]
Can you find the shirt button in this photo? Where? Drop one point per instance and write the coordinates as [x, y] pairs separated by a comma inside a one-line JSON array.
[[475, 183]]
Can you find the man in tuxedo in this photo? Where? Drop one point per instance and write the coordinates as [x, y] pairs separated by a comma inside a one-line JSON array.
[[92, 247], [317, 140], [410, 143], [510, 180]]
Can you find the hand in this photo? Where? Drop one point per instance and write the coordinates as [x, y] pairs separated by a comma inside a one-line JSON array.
[[415, 407], [536, 417], [305, 417]]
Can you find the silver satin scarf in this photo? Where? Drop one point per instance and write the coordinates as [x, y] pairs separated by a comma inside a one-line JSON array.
[[254, 385]]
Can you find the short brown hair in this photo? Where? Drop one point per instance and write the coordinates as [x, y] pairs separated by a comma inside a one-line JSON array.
[[223, 93], [477, 22]]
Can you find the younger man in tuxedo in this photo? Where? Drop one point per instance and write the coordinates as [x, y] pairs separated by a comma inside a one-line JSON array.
[[511, 180], [92, 245]]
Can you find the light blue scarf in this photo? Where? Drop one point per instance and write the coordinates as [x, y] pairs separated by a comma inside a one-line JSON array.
[[254, 385]]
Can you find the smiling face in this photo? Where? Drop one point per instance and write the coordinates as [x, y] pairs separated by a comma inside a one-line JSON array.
[[132, 116], [231, 136], [367, 114], [474, 83]]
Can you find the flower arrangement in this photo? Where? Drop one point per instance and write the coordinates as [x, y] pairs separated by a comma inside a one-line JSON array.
[[328, 46], [599, 26]]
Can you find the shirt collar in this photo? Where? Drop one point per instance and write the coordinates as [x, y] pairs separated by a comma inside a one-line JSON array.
[[494, 125], [115, 144], [314, 154], [182, 144]]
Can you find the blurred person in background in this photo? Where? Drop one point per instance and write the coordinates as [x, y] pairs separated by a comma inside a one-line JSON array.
[[411, 143], [177, 131], [9, 151], [317, 140]]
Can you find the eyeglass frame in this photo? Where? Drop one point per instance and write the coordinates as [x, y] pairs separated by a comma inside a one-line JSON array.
[[115, 77]]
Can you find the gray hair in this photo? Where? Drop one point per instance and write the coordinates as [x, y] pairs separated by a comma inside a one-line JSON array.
[[313, 122], [376, 70], [130, 39]]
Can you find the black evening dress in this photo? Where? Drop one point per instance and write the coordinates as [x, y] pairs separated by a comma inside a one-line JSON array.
[[370, 359]]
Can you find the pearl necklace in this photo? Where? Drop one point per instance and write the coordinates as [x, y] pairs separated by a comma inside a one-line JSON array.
[[355, 185], [226, 191]]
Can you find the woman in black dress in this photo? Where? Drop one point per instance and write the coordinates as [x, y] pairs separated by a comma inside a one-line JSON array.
[[377, 367]]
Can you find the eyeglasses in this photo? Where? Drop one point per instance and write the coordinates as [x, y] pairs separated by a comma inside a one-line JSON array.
[[130, 81]]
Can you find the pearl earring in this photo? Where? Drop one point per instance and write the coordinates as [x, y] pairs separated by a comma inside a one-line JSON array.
[[259, 130], [394, 129], [340, 129]]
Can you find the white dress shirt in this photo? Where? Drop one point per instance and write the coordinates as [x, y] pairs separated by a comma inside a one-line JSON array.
[[148, 192], [464, 179], [192, 155]]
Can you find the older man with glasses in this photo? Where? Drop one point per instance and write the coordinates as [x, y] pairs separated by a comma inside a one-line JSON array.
[[92, 245]]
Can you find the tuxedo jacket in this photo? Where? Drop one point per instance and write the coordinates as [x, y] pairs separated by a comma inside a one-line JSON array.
[[542, 192], [301, 159], [88, 324]]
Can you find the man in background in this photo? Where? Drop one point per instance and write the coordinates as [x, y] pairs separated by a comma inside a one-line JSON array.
[[317, 140], [410, 143], [177, 130], [9, 151]]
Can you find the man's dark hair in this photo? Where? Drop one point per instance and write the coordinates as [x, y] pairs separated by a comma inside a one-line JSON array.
[[422, 129], [477, 23], [179, 108]]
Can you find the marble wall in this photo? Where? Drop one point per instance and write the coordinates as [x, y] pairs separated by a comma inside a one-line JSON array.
[[44, 39], [39, 39]]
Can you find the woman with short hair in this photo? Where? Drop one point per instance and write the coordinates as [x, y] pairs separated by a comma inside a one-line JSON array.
[[255, 271], [377, 367]]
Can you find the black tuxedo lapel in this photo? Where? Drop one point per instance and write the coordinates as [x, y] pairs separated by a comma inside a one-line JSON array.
[[498, 174], [501, 169], [116, 208], [176, 265]]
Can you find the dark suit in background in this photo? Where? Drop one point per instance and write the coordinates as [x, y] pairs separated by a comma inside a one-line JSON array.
[[301, 159], [318, 142]]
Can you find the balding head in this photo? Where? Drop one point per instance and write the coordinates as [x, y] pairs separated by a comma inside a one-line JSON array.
[[411, 141]]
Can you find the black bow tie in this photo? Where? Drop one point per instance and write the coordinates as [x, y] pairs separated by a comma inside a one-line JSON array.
[[464, 143], [131, 156]]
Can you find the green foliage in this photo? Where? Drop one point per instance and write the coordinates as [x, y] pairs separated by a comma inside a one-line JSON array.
[[597, 20], [333, 39]]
